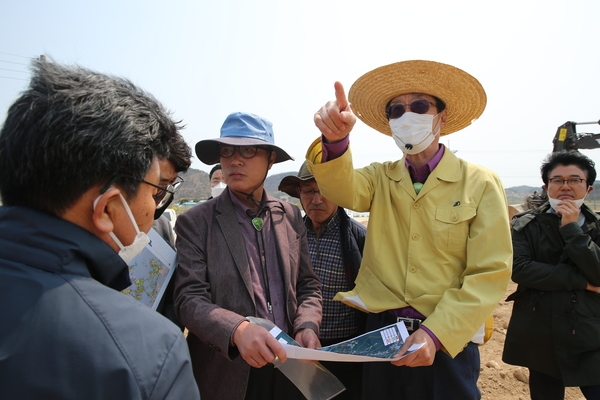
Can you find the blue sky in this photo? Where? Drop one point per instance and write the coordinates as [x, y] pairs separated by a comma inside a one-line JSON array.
[[538, 61]]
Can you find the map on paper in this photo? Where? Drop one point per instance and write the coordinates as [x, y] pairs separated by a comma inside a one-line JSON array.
[[379, 345], [151, 270]]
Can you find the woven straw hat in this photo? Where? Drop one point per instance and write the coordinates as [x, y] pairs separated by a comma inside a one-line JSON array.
[[463, 95]]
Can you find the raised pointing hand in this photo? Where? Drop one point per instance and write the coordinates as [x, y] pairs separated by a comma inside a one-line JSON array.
[[335, 119]]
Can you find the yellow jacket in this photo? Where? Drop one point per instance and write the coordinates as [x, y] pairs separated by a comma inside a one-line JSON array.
[[446, 252]]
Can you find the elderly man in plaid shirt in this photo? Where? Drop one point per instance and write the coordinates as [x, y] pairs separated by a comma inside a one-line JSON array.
[[336, 244]]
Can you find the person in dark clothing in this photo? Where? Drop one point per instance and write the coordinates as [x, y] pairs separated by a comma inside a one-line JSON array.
[[178, 160], [554, 328], [336, 243], [80, 157]]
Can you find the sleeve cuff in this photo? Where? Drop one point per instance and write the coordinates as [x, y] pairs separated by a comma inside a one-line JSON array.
[[438, 344], [331, 151]]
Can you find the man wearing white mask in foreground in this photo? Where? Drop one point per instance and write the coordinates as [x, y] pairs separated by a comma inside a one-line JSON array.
[[80, 153], [554, 327], [438, 252]]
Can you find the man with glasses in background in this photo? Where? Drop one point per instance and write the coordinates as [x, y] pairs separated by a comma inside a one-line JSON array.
[[217, 183], [438, 253], [244, 254], [554, 328], [179, 160], [336, 244], [80, 157]]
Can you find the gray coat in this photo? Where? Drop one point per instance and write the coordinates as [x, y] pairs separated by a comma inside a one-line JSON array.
[[555, 323], [213, 288]]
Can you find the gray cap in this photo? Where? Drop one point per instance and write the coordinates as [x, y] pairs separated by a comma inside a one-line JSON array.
[[289, 184]]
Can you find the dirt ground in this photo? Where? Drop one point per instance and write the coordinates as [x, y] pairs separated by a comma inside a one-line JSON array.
[[500, 381]]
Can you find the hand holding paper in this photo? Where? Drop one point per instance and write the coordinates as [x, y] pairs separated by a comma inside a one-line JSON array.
[[256, 345], [422, 357]]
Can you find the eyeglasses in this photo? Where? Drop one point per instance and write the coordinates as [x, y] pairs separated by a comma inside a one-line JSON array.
[[162, 197], [418, 106], [226, 151], [166, 201], [308, 193], [558, 182]]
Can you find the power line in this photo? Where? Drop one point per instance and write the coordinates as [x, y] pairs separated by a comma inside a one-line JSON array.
[[16, 79], [14, 70], [14, 55], [13, 62]]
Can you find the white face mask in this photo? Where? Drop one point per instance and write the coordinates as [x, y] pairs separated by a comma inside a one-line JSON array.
[[218, 189], [128, 253], [554, 202], [413, 132]]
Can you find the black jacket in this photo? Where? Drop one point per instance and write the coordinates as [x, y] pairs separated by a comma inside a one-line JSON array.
[[353, 236], [555, 322], [353, 242]]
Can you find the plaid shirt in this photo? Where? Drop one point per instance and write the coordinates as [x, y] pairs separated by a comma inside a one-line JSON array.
[[339, 320]]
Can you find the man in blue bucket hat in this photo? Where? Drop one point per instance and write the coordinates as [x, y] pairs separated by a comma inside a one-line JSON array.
[[243, 254]]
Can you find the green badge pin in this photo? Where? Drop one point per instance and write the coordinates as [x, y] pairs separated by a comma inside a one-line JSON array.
[[418, 186], [257, 223]]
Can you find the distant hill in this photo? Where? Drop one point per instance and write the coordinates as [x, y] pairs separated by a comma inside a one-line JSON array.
[[518, 194], [196, 187]]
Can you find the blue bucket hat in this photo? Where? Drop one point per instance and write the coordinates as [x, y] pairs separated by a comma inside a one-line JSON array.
[[241, 129]]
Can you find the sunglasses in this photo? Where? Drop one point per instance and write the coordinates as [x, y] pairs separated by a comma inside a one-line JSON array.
[[418, 106], [226, 151]]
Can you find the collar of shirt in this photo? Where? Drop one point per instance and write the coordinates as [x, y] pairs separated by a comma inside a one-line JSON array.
[[422, 173], [331, 224], [247, 211]]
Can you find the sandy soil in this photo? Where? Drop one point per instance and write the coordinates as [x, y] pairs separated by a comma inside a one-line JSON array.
[[500, 381]]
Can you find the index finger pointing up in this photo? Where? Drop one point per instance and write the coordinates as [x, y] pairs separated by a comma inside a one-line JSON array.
[[340, 97]]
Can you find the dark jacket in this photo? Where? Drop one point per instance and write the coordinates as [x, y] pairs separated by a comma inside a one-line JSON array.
[[555, 323], [353, 241], [65, 329]]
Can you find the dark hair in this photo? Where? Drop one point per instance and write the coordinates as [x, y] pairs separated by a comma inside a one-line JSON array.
[[180, 153], [74, 129], [569, 157], [213, 170]]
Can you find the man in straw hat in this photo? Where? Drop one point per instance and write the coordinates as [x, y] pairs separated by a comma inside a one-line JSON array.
[[336, 244], [438, 249], [244, 253]]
